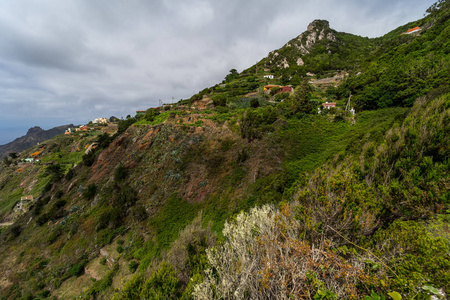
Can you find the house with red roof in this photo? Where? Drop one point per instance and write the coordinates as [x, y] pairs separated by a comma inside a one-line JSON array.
[[412, 30], [327, 105]]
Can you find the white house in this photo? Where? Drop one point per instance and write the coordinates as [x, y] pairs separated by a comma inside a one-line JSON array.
[[100, 121], [268, 76]]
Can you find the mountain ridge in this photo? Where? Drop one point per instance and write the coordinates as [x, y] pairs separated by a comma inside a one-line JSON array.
[[33, 136]]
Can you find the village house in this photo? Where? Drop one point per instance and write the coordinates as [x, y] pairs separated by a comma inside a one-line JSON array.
[[286, 89], [412, 30], [327, 105], [100, 121], [282, 89], [268, 76], [269, 87], [31, 159]]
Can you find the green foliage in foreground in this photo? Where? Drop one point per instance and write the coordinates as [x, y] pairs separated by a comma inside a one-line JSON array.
[[364, 214]]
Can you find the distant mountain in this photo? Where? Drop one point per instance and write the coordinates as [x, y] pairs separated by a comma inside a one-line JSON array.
[[34, 135]]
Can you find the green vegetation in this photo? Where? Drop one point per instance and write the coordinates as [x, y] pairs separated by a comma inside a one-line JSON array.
[[190, 203]]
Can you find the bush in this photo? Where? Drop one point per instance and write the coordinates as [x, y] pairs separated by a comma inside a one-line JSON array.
[[254, 103], [77, 269], [120, 173], [90, 191], [103, 261], [162, 284], [249, 263], [15, 230], [132, 266], [88, 159]]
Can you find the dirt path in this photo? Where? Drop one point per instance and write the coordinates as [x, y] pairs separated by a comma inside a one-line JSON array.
[[6, 224]]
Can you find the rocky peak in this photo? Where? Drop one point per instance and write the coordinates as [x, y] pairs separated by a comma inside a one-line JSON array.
[[34, 130], [318, 25], [317, 31]]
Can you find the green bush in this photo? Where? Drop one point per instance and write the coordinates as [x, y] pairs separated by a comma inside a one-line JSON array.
[[120, 173], [103, 261], [77, 269], [162, 284], [132, 266], [90, 191]]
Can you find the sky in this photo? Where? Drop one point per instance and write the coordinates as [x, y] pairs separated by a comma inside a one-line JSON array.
[[71, 61]]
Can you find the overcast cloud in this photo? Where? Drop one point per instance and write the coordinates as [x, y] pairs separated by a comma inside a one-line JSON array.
[[74, 60]]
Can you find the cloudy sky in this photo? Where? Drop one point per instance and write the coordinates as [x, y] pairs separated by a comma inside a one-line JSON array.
[[71, 61]]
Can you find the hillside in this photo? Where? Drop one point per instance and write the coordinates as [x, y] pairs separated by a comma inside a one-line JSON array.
[[34, 136], [245, 190]]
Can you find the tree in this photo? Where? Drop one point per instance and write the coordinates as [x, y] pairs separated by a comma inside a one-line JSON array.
[[300, 100], [150, 114], [254, 103], [274, 90], [55, 172], [438, 6], [13, 155], [233, 75]]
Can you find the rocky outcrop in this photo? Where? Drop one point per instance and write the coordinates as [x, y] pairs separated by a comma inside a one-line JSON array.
[[317, 31]]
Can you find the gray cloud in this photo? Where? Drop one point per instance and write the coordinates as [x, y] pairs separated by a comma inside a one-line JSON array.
[[74, 60]]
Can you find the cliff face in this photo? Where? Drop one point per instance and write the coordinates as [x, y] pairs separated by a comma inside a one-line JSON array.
[[34, 135]]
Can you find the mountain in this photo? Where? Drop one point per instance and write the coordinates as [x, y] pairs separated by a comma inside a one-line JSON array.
[[34, 136], [318, 50], [245, 191]]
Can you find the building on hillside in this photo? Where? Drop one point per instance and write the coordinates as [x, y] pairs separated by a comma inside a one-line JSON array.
[[83, 128], [140, 113], [269, 87], [286, 89], [412, 30], [327, 105], [282, 89], [268, 76], [100, 121], [23, 204]]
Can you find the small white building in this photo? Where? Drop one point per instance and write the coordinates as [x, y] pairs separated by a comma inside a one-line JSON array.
[[352, 111], [268, 76], [100, 121]]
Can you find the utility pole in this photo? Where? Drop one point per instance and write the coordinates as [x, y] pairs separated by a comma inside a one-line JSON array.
[[347, 107]]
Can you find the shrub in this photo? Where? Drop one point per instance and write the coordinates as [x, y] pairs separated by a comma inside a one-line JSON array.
[[131, 289], [254, 103], [120, 173], [103, 261], [90, 191], [88, 159], [162, 284], [132, 266], [47, 187], [15, 230], [262, 257], [77, 269]]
